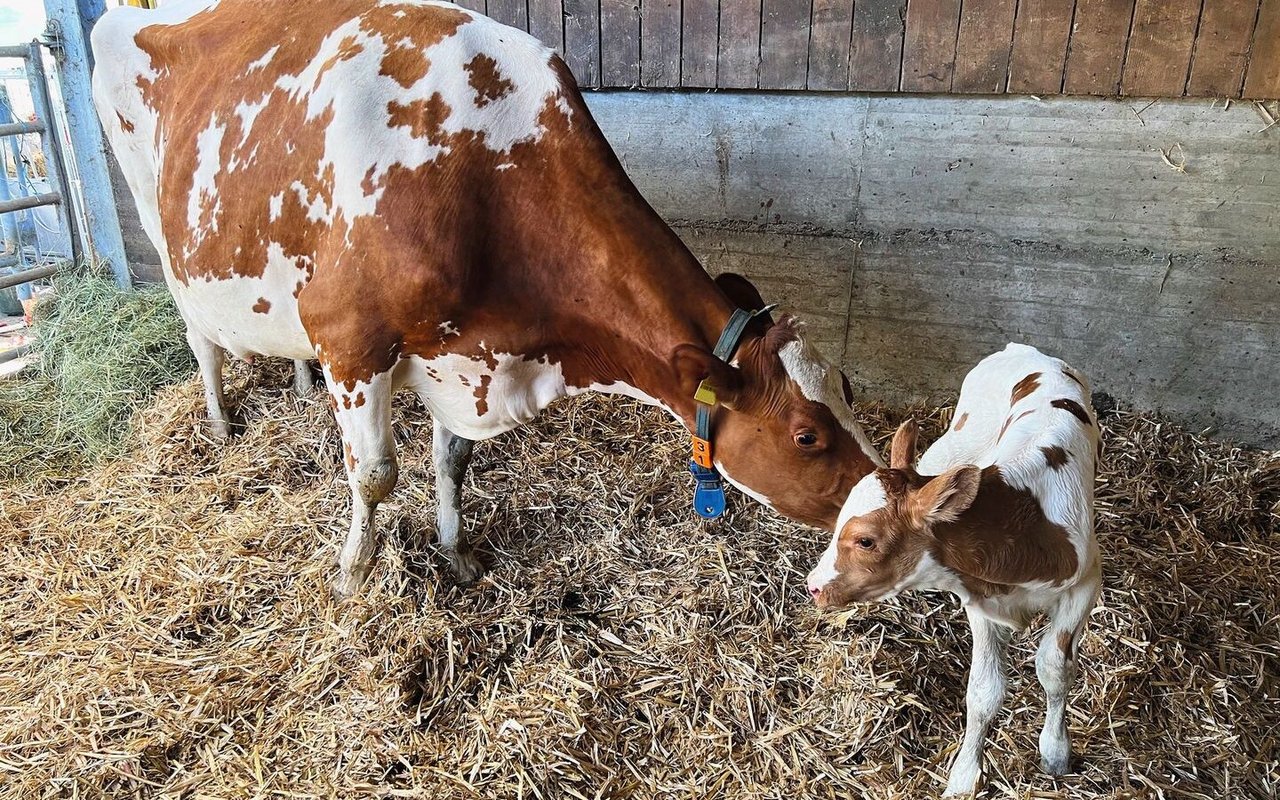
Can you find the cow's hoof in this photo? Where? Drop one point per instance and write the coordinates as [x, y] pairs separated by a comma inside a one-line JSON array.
[[467, 568], [219, 429], [345, 587], [1056, 765]]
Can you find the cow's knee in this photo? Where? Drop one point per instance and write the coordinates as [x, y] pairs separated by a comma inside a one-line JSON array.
[[375, 478]]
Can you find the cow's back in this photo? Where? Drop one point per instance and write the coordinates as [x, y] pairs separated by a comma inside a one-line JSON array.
[[341, 156]]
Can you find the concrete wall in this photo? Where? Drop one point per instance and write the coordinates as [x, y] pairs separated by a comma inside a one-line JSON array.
[[919, 234]]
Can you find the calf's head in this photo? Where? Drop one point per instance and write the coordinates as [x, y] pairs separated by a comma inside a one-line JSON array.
[[783, 429], [884, 535]]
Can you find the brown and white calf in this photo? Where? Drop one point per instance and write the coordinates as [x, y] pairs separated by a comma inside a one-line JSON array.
[[999, 511], [417, 196]]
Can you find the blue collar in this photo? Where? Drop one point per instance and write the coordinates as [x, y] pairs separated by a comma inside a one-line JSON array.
[[708, 491]]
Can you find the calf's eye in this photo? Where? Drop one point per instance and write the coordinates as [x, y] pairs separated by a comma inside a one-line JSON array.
[[866, 544]]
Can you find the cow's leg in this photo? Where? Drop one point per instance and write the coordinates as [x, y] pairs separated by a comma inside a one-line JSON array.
[[452, 454], [983, 700], [1056, 668], [364, 417], [210, 357], [303, 383]]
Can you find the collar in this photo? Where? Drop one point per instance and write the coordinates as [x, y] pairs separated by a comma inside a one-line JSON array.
[[708, 491]]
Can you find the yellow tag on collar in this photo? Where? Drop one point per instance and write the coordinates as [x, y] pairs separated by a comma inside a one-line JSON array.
[[705, 394]]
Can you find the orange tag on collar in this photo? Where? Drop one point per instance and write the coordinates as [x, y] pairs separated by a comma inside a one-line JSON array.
[[702, 453]]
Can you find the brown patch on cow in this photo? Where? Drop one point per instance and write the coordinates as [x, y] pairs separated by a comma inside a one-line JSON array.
[[359, 399], [349, 457], [333, 403], [961, 421], [1067, 404], [1025, 387], [484, 77], [124, 123], [482, 395], [406, 65], [346, 401], [424, 118], [348, 49], [1066, 643], [1054, 456], [1073, 377], [1010, 420], [1004, 539], [262, 306]]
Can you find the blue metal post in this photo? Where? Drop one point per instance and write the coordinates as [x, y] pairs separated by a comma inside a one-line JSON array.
[[8, 223], [74, 18]]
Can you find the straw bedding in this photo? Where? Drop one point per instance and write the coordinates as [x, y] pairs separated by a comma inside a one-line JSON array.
[[166, 629]]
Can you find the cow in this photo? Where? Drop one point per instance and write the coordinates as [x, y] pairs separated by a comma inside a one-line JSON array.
[[417, 197], [999, 511]]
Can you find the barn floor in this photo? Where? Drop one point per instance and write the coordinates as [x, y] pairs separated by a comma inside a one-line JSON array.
[[166, 630]]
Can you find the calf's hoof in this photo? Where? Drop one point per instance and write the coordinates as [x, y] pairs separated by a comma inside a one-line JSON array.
[[467, 568], [219, 429], [1056, 764], [347, 585], [961, 783]]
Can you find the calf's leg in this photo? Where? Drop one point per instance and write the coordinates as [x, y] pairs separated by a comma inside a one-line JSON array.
[[1056, 669], [987, 686], [452, 454], [210, 358], [364, 417]]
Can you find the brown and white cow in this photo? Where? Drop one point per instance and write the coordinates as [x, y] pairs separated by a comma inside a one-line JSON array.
[[417, 197], [999, 511]]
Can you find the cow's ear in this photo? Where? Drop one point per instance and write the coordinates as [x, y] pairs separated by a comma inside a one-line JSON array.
[[701, 371], [742, 293], [902, 453]]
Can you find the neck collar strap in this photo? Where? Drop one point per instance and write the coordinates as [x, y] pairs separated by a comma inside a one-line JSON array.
[[708, 491]]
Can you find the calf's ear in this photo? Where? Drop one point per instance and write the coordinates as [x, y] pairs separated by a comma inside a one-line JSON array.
[[697, 367], [947, 496], [902, 453], [742, 293]]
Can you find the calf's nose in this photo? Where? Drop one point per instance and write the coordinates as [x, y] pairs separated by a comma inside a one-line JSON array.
[[814, 591]]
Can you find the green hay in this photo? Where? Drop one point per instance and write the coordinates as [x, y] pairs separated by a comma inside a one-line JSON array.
[[101, 354]]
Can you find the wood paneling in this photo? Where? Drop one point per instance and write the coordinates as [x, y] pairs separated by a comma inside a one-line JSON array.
[[983, 45], [1040, 35], [784, 43], [1262, 76], [1161, 48], [875, 64], [929, 48], [1222, 48], [1098, 39]]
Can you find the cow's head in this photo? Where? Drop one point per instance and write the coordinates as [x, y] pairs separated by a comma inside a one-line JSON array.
[[783, 430], [885, 528]]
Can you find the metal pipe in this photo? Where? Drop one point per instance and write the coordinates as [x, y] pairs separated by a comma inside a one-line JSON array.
[[20, 128], [58, 176], [16, 353], [13, 51], [9, 261], [21, 203], [28, 275]]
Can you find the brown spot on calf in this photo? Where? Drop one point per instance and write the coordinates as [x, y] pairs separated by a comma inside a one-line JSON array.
[[1010, 420], [262, 306], [961, 421], [124, 123], [1054, 456], [1067, 404], [1066, 643], [1025, 387]]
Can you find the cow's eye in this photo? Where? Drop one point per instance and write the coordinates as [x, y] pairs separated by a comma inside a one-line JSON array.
[[866, 543], [806, 439]]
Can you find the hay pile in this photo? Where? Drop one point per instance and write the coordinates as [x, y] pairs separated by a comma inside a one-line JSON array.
[[166, 631], [102, 353]]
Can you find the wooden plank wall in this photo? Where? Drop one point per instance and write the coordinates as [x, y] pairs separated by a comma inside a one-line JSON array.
[[1160, 48]]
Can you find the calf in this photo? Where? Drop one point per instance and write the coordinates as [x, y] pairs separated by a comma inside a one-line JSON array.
[[418, 198], [999, 511]]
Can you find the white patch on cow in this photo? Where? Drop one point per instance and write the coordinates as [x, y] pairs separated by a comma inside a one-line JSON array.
[[248, 113], [316, 209], [514, 392], [208, 164], [275, 206], [820, 382], [447, 329], [265, 60]]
